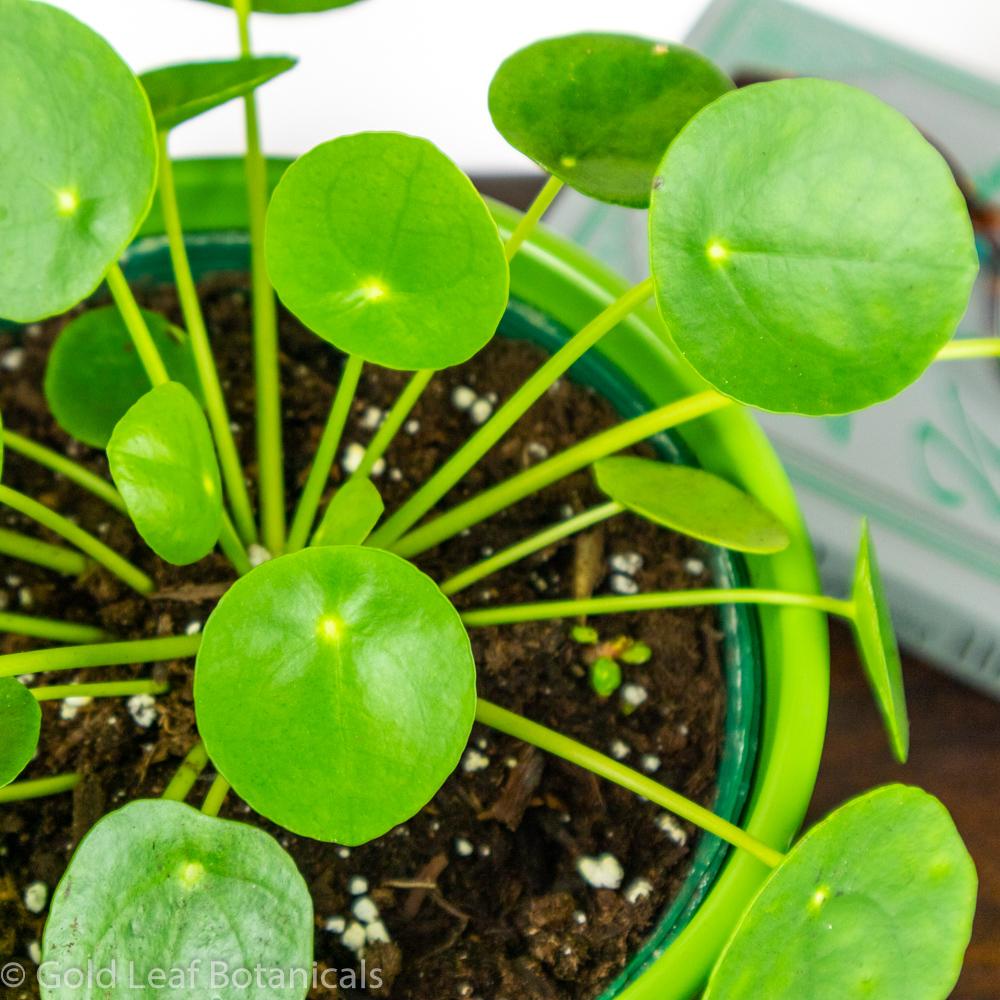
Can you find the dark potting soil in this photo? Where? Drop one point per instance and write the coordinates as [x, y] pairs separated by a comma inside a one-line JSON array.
[[482, 894]]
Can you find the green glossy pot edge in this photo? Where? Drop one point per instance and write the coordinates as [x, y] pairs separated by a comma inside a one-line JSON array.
[[742, 659], [572, 287]]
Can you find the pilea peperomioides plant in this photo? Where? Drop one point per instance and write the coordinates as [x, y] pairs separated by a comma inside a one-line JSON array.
[[810, 253]]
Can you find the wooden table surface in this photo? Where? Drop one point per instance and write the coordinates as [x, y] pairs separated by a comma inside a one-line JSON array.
[[955, 747]]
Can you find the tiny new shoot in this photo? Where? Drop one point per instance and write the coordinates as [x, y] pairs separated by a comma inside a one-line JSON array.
[[866, 610]]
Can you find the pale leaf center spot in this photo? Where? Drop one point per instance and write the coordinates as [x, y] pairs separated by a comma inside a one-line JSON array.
[[67, 201], [191, 874], [330, 628], [716, 250]]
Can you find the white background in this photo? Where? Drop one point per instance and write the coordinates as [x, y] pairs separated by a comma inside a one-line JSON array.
[[423, 66]]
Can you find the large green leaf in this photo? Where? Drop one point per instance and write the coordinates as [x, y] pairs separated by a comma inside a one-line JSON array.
[[20, 725], [158, 886], [598, 111], [811, 250], [78, 166], [691, 501], [876, 901], [290, 6], [351, 514], [335, 689], [383, 247], [178, 93], [163, 462], [94, 374], [876, 641]]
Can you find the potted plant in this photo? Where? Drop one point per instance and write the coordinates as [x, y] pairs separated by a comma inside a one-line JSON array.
[[334, 685]]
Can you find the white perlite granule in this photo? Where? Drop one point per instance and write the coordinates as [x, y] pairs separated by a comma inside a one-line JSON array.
[[602, 872]]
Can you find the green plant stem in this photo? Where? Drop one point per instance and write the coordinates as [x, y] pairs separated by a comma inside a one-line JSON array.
[[563, 464], [201, 348], [74, 472], [103, 654], [265, 323], [54, 557], [187, 774], [145, 346], [109, 689], [531, 218], [85, 542], [394, 419], [232, 546], [326, 453], [537, 542], [21, 791], [970, 347], [611, 770], [519, 403], [216, 797], [49, 628], [657, 600]]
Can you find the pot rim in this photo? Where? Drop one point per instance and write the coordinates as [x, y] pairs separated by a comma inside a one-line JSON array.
[[551, 273]]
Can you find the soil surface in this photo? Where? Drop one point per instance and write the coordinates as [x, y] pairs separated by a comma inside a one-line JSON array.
[[481, 895]]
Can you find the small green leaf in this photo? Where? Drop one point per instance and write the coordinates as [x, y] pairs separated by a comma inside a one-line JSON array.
[[20, 724], [289, 6], [876, 641], [351, 514], [179, 93], [811, 250], [158, 886], [636, 653], [691, 501], [586, 635], [94, 374], [163, 463], [875, 901], [383, 247], [79, 160], [361, 697], [605, 676], [598, 111]]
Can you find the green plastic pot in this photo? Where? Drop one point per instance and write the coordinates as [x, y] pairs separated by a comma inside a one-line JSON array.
[[776, 660]]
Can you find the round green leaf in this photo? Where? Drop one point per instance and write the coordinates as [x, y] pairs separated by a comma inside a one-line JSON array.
[[382, 246], [79, 159], [158, 886], [163, 462], [94, 374], [289, 6], [361, 697], [598, 111], [351, 514], [692, 501], [875, 901], [179, 93], [20, 724], [811, 250], [876, 642]]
